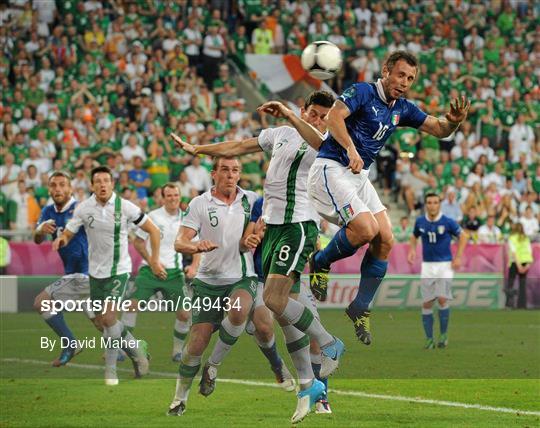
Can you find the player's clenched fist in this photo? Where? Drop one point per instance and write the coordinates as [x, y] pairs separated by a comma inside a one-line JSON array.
[[275, 108], [355, 161], [205, 246]]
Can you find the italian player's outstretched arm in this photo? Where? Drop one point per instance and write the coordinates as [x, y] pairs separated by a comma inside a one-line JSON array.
[[227, 148], [442, 128]]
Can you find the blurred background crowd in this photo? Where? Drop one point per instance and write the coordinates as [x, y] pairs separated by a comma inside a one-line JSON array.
[[104, 82]]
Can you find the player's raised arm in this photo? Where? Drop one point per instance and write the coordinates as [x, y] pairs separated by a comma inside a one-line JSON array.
[[442, 128], [184, 243], [227, 148], [308, 132], [335, 120]]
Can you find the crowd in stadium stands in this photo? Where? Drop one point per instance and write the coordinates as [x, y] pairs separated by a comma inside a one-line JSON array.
[[104, 82]]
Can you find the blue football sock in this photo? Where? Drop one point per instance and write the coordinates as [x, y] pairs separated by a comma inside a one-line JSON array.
[[372, 273], [338, 248], [272, 355], [444, 317], [58, 324], [427, 321]]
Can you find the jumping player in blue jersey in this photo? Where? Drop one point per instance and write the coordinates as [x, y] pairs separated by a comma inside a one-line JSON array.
[[359, 123], [436, 231], [74, 285]]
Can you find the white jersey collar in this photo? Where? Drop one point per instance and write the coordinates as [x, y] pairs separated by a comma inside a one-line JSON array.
[[436, 218], [239, 193], [109, 202], [381, 94], [65, 207]]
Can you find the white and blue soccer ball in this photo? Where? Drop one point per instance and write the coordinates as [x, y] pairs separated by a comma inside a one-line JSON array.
[[322, 60]]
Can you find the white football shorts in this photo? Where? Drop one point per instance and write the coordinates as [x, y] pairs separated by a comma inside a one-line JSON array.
[[436, 280], [338, 195]]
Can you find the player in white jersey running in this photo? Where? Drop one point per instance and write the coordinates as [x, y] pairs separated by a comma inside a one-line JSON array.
[[106, 218], [225, 281], [168, 219], [290, 237]]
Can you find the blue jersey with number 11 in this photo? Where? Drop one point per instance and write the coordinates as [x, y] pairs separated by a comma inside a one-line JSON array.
[[371, 122], [436, 237]]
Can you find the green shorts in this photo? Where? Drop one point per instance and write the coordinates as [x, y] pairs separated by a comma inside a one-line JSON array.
[[286, 248], [147, 284], [114, 286], [210, 302]]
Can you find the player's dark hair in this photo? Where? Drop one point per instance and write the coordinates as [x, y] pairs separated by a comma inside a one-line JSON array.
[[59, 173], [169, 185], [431, 195], [100, 169], [320, 98], [218, 159], [396, 56]]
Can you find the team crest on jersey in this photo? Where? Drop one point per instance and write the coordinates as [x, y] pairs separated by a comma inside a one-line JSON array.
[[347, 212], [117, 217], [440, 229], [395, 119], [349, 93], [303, 147]]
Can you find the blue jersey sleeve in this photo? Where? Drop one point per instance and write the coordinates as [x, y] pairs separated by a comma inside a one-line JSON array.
[[45, 215], [412, 116], [416, 230], [256, 211], [454, 228], [356, 96]]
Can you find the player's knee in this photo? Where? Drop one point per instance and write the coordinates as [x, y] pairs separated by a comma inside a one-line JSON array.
[[182, 316], [37, 303], [264, 332]]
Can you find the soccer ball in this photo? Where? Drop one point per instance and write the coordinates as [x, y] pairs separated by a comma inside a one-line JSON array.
[[322, 60]]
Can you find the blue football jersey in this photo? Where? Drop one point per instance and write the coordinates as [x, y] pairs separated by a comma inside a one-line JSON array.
[[256, 213], [371, 122], [74, 255], [436, 237]]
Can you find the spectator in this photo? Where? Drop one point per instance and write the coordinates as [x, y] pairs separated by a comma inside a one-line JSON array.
[[132, 149], [521, 139], [9, 174], [198, 176], [530, 224], [489, 233], [520, 259], [471, 223], [213, 52], [27, 211], [403, 231], [450, 207], [35, 158], [139, 178]]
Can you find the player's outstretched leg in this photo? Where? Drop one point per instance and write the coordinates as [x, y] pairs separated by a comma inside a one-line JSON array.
[[427, 322], [57, 323], [230, 330], [372, 272], [264, 337], [311, 390], [444, 318], [181, 330], [189, 366], [322, 405]]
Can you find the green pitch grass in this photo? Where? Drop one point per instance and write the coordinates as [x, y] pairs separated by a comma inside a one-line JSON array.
[[493, 361]]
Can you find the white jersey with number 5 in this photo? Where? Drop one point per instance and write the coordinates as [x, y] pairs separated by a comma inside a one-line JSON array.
[[285, 188], [107, 229], [168, 226], [223, 224]]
